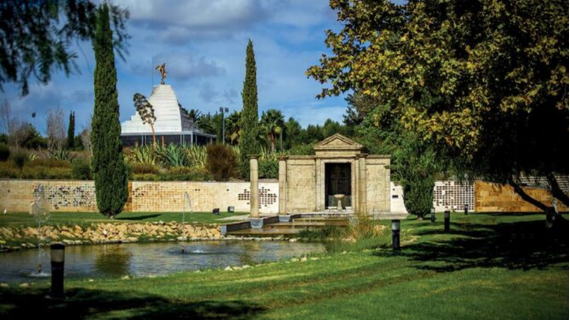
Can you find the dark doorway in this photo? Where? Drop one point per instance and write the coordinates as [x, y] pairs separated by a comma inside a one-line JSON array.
[[338, 181]]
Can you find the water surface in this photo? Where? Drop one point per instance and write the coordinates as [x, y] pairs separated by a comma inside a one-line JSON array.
[[152, 259]]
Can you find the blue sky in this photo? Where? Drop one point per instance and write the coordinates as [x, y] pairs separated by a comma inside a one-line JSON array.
[[203, 45]]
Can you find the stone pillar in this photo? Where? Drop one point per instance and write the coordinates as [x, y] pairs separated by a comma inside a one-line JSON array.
[[363, 206], [253, 187], [319, 185], [283, 185]]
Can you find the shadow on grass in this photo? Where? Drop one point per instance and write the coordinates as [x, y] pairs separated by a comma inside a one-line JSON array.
[[522, 245], [82, 303], [143, 217]]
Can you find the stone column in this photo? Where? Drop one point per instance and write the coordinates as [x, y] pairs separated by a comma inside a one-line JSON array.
[[253, 187], [363, 206], [319, 185], [283, 185]]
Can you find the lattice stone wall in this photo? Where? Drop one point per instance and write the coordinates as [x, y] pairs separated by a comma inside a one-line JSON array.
[[452, 195], [167, 196]]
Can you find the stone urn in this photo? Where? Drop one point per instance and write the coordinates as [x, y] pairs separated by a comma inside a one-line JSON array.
[[339, 198]]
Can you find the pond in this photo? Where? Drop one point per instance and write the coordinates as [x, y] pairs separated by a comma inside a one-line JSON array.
[[152, 259]]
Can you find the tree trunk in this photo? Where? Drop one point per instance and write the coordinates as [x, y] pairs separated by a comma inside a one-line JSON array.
[[153, 135], [555, 189], [552, 216], [272, 139]]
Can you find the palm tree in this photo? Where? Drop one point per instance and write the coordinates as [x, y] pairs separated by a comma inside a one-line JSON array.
[[233, 128], [272, 124]]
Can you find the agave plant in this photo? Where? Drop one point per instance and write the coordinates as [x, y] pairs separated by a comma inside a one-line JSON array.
[[197, 156], [173, 155], [143, 155], [61, 154]]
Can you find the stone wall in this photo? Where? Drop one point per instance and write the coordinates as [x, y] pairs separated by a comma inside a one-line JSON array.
[[377, 184], [301, 185], [502, 198], [167, 196]]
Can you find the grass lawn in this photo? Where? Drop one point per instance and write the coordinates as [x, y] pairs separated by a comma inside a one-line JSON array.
[[490, 266], [71, 218]]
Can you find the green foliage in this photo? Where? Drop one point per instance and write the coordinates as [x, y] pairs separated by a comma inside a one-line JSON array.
[[197, 156], [20, 158], [109, 168], [172, 155], [272, 125], [146, 112], [221, 162], [302, 150], [248, 142], [415, 167], [81, 169], [143, 168], [71, 131], [61, 154], [484, 82], [48, 163], [4, 152], [268, 169], [36, 37]]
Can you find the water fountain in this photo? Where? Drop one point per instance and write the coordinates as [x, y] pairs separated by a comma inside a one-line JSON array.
[[41, 215], [186, 206]]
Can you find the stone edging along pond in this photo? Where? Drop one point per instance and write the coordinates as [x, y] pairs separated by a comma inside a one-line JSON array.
[[15, 237]]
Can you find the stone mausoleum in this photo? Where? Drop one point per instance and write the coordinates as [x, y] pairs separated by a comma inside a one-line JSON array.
[[172, 124], [338, 179]]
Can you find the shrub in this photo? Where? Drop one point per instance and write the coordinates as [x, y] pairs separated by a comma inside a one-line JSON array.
[[302, 150], [20, 158], [49, 163], [143, 168], [173, 155], [221, 162], [4, 152], [81, 169], [269, 169]]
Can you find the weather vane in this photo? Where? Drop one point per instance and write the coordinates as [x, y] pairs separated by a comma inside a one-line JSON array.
[[162, 69]]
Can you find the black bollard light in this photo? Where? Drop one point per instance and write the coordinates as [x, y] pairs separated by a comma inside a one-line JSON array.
[[396, 234], [446, 217], [432, 214], [57, 263], [465, 208]]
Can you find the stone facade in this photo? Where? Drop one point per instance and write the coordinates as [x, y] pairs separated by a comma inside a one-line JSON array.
[[167, 196], [502, 198], [306, 179]]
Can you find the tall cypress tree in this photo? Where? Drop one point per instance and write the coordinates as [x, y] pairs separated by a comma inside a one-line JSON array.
[[249, 143], [109, 168], [71, 131]]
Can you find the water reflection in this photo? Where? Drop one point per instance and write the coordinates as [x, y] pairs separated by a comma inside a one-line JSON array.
[[113, 261], [137, 260]]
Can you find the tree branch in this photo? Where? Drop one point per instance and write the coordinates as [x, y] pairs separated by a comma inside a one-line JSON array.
[[520, 191], [555, 189]]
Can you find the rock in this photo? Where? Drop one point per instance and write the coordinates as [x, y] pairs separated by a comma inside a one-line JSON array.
[[246, 266], [24, 285], [303, 259], [68, 242], [314, 258], [293, 240], [125, 277], [294, 260], [91, 280], [228, 268], [4, 285]]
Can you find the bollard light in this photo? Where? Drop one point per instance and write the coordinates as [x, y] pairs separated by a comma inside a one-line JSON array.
[[432, 214], [396, 234], [447, 218], [466, 208], [57, 268]]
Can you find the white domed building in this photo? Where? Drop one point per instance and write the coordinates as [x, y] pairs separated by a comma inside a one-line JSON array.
[[172, 125]]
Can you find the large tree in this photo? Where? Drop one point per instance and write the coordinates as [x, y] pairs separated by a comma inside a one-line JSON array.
[[485, 82], [249, 139], [71, 131], [273, 125], [109, 168], [36, 36]]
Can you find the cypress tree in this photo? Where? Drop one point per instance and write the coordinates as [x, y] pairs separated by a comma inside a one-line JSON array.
[[249, 143], [71, 131], [109, 168]]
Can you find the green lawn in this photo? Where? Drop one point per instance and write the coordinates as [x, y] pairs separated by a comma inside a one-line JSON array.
[[490, 266], [71, 218]]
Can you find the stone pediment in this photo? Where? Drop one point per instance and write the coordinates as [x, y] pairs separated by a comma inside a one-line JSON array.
[[338, 142]]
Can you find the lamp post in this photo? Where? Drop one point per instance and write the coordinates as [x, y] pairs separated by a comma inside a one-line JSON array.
[[446, 218], [396, 235], [57, 264], [222, 110]]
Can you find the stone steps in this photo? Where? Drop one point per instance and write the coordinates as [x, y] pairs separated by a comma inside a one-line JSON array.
[[265, 232]]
